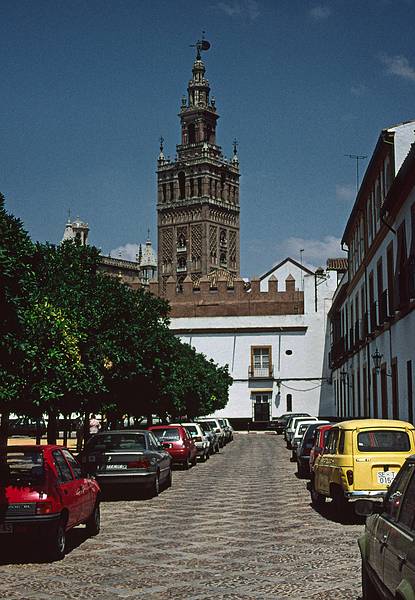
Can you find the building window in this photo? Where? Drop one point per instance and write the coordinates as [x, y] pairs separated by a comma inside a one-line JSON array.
[[181, 265], [409, 391], [261, 363], [391, 291], [289, 402], [182, 185]]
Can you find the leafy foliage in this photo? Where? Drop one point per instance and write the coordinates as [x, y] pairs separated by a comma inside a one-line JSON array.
[[74, 339]]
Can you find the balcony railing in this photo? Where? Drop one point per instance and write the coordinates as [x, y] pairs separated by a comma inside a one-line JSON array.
[[261, 372]]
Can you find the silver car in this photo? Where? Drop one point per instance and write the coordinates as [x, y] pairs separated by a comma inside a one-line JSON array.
[[214, 423], [127, 456], [200, 439]]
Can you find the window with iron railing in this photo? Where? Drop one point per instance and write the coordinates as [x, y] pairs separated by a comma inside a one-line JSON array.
[[261, 363], [373, 317]]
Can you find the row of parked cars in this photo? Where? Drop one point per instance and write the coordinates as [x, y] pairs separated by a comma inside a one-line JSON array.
[[367, 465], [45, 490]]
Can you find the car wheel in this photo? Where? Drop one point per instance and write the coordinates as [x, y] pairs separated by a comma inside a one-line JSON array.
[[368, 589], [186, 464], [93, 525], [56, 543], [194, 461], [156, 486], [317, 499], [340, 503], [216, 448]]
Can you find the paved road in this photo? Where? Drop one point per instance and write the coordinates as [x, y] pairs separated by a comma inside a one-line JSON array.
[[237, 527]]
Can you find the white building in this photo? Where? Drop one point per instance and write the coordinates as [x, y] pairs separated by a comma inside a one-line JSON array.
[[372, 321], [276, 360]]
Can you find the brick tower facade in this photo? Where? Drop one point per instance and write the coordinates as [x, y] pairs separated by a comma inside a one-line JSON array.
[[198, 195]]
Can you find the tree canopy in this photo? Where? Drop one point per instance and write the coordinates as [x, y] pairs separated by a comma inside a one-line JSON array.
[[74, 339]]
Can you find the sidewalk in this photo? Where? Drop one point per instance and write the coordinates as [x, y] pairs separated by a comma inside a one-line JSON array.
[[26, 441]]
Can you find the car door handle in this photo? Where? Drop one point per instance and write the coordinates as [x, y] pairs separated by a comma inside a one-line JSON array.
[[402, 560], [384, 542]]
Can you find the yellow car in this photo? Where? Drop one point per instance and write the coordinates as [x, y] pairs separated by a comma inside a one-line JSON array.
[[360, 460]]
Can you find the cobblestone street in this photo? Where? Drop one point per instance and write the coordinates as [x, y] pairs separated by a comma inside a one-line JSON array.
[[238, 526]]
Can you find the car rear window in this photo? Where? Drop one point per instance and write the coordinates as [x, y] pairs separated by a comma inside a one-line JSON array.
[[192, 429], [384, 440], [167, 435], [21, 465], [117, 441]]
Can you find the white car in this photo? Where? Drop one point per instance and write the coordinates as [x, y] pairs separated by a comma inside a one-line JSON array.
[[289, 433], [200, 439], [216, 427]]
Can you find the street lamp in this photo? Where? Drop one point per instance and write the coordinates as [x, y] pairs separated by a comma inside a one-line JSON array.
[[377, 360]]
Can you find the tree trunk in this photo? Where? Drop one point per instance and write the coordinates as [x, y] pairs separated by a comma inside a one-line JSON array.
[[52, 428], [149, 420], [4, 429], [65, 430], [86, 427], [38, 432]]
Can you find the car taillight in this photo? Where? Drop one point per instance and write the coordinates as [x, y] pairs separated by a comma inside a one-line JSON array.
[[349, 475], [197, 439], [44, 508], [138, 464]]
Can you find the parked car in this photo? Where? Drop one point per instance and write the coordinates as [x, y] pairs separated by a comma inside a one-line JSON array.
[[127, 456], [224, 423], [289, 432], [289, 421], [298, 435], [217, 429], [318, 443], [178, 443], [303, 450], [200, 439], [387, 544], [360, 460], [27, 426], [212, 436], [44, 493]]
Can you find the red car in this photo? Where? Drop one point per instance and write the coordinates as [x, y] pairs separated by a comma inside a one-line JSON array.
[[178, 443], [43, 492], [319, 441]]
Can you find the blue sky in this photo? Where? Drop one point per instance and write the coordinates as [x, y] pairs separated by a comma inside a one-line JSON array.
[[89, 86]]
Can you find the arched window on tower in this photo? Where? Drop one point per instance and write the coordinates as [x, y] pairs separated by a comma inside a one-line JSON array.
[[192, 133], [182, 185]]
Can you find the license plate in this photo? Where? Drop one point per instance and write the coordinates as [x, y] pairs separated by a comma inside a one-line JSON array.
[[6, 528], [115, 467], [386, 477]]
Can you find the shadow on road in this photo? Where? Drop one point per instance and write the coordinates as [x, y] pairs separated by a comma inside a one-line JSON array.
[[347, 517], [22, 550]]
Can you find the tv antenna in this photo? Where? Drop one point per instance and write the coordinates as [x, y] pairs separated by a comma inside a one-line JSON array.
[[356, 157]]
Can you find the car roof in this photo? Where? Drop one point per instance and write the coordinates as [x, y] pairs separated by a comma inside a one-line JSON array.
[[111, 431], [363, 423], [169, 426]]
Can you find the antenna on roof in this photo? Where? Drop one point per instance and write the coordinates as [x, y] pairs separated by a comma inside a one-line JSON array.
[[356, 157]]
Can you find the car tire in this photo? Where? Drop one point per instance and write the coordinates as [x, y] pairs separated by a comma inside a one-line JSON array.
[[317, 499], [193, 462], [217, 449], [340, 503], [369, 591], [186, 464], [93, 525], [56, 543], [155, 489]]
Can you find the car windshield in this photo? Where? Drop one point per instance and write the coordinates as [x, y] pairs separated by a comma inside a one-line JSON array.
[[205, 427], [117, 441], [383, 440], [167, 435], [22, 465], [212, 424]]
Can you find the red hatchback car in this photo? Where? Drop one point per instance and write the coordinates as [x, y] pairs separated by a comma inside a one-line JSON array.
[[43, 492], [319, 441], [178, 443]]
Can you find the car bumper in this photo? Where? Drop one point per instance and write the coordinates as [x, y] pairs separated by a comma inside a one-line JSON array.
[[362, 494], [34, 524], [125, 478]]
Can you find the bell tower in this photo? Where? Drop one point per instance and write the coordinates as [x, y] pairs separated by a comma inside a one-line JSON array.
[[198, 193]]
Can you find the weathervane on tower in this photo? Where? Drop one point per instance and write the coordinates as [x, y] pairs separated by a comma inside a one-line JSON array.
[[201, 45]]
